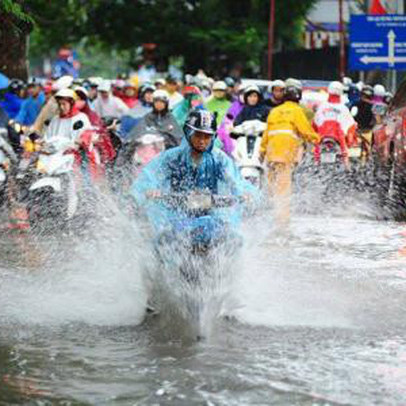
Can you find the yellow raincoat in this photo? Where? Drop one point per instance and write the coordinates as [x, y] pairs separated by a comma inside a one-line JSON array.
[[287, 128], [281, 147]]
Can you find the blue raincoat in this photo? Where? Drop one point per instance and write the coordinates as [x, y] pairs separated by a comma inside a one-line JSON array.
[[174, 171]]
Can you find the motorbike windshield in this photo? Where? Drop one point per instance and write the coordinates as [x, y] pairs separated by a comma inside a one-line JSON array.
[[174, 172]]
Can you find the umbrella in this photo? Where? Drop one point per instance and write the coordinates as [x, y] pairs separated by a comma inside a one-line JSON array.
[[3, 81]]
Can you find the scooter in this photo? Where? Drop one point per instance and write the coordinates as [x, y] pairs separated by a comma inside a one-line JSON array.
[[197, 232], [8, 159], [52, 194], [246, 152]]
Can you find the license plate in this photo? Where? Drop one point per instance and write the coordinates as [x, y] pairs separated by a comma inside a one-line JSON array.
[[354, 152], [328, 158]]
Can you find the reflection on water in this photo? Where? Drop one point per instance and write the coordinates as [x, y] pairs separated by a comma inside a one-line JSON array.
[[315, 317]]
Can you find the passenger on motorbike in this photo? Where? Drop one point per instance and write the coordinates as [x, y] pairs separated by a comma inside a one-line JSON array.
[[254, 109], [107, 105], [334, 120], [287, 129]]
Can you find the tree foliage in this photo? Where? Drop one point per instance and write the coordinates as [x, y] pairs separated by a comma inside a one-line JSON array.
[[213, 34]]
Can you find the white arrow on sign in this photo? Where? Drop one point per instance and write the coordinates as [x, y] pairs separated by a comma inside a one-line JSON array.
[[391, 59]]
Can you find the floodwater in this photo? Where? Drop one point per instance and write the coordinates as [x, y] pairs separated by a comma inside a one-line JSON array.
[[314, 316]]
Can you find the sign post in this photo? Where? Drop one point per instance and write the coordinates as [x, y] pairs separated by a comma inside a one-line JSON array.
[[378, 42]]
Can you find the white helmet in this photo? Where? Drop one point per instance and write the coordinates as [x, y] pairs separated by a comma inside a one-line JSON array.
[[62, 83], [293, 83], [66, 94], [277, 83], [335, 88], [81, 89], [105, 86], [220, 85], [162, 95], [251, 89], [379, 91]]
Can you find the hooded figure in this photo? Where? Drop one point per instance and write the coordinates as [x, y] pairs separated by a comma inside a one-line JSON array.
[[193, 166]]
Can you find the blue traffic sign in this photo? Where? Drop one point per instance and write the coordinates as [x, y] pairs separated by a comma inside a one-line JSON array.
[[377, 42]]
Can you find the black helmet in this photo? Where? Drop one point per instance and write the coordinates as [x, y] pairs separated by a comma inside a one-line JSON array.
[[230, 82], [15, 85], [146, 87], [33, 82], [292, 93], [368, 91], [200, 120]]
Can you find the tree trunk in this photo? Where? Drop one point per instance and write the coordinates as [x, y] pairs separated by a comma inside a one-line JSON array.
[[13, 46]]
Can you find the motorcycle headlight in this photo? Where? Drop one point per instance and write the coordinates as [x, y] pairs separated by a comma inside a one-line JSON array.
[[199, 202]]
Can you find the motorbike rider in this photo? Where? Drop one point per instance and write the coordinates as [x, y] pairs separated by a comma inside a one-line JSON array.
[[140, 110], [172, 88], [231, 85], [103, 141], [32, 105], [364, 116], [50, 109], [276, 93], [287, 129], [192, 99], [219, 103], [107, 105], [227, 124], [193, 166], [254, 109], [67, 127], [13, 98], [129, 96], [159, 120], [334, 120]]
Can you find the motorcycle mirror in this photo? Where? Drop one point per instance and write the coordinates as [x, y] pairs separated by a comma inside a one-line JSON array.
[[78, 125], [230, 116], [354, 111]]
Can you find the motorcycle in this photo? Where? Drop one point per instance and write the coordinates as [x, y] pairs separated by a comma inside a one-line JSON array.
[[196, 233], [7, 159], [246, 152], [52, 194]]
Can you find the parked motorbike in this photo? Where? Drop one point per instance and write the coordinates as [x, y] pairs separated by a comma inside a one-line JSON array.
[[246, 152]]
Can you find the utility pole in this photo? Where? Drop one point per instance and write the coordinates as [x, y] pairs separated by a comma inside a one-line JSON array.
[[342, 38], [271, 33]]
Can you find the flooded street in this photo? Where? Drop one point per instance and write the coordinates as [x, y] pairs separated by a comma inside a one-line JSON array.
[[315, 317]]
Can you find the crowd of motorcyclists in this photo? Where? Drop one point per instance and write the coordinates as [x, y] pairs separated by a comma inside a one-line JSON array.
[[110, 127]]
